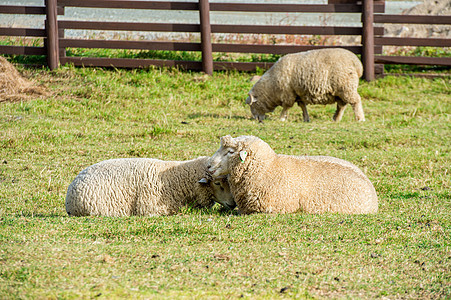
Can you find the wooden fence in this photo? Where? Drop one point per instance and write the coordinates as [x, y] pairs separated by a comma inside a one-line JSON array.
[[373, 38]]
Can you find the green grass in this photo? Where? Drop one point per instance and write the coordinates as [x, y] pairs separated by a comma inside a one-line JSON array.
[[94, 114]]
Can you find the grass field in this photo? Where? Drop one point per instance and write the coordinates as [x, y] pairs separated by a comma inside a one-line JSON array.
[[404, 147]]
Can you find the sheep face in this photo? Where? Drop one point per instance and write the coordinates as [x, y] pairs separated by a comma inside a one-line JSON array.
[[221, 190], [231, 155], [220, 163], [223, 195], [256, 111]]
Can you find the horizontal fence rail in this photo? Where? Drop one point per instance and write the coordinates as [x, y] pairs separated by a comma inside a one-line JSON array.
[[305, 8], [371, 31], [23, 32], [412, 41], [211, 28]]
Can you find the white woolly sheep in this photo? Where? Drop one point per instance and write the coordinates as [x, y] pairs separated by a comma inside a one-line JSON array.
[[263, 181], [143, 187], [322, 76]]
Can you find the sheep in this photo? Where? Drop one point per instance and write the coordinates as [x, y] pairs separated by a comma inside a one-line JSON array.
[[262, 181], [144, 187], [322, 76]]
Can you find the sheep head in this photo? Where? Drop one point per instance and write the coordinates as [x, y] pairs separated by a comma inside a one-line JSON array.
[[233, 152], [255, 109], [221, 190]]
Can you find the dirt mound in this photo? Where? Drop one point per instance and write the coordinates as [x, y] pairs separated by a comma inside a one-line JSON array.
[[14, 87], [430, 8]]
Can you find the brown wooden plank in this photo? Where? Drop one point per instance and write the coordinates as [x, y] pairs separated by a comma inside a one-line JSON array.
[[205, 36], [21, 50], [127, 26], [164, 27], [174, 46], [26, 10], [395, 41], [274, 49], [16, 9], [250, 7], [139, 45], [22, 32], [130, 63], [412, 19], [125, 4], [413, 60], [421, 75], [368, 40], [265, 29], [378, 69], [143, 63], [310, 8], [52, 41], [381, 2], [241, 66]]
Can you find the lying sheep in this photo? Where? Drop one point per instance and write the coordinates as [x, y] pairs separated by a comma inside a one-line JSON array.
[[263, 181], [222, 190], [143, 187], [322, 76]]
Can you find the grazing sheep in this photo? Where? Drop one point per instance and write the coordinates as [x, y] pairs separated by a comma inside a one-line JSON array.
[[143, 187], [322, 76], [263, 181]]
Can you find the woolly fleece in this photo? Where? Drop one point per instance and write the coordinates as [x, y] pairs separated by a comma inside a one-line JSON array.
[[143, 187], [322, 76], [262, 181]]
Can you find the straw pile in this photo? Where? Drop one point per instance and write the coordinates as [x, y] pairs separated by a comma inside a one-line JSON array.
[[14, 87]]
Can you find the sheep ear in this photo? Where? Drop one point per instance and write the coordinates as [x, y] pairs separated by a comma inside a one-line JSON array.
[[203, 180], [227, 140]]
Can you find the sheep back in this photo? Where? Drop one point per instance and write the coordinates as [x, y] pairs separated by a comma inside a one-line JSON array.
[[138, 186]]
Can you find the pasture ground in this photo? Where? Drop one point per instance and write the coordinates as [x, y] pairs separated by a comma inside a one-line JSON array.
[[404, 147]]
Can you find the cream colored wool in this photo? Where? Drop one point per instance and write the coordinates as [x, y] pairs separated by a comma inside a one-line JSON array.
[[324, 76], [143, 187], [262, 181]]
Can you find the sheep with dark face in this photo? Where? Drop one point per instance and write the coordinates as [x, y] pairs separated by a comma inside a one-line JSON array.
[[263, 181], [324, 76], [144, 187]]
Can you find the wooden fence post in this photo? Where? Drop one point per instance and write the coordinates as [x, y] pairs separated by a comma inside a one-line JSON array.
[[205, 37], [51, 26], [368, 39]]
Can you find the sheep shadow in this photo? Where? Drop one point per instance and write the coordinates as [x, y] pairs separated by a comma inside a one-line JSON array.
[[216, 116]]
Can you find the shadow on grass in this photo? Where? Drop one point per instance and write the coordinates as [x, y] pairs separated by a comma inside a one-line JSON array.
[[216, 116], [222, 211], [40, 215]]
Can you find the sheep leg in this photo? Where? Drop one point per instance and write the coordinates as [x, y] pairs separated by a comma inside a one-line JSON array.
[[304, 111], [353, 98], [358, 111], [340, 110], [284, 114]]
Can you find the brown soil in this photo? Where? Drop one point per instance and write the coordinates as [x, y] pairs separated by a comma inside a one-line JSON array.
[[430, 8], [14, 87]]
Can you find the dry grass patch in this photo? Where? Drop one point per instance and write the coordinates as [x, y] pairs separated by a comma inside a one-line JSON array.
[[14, 87]]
